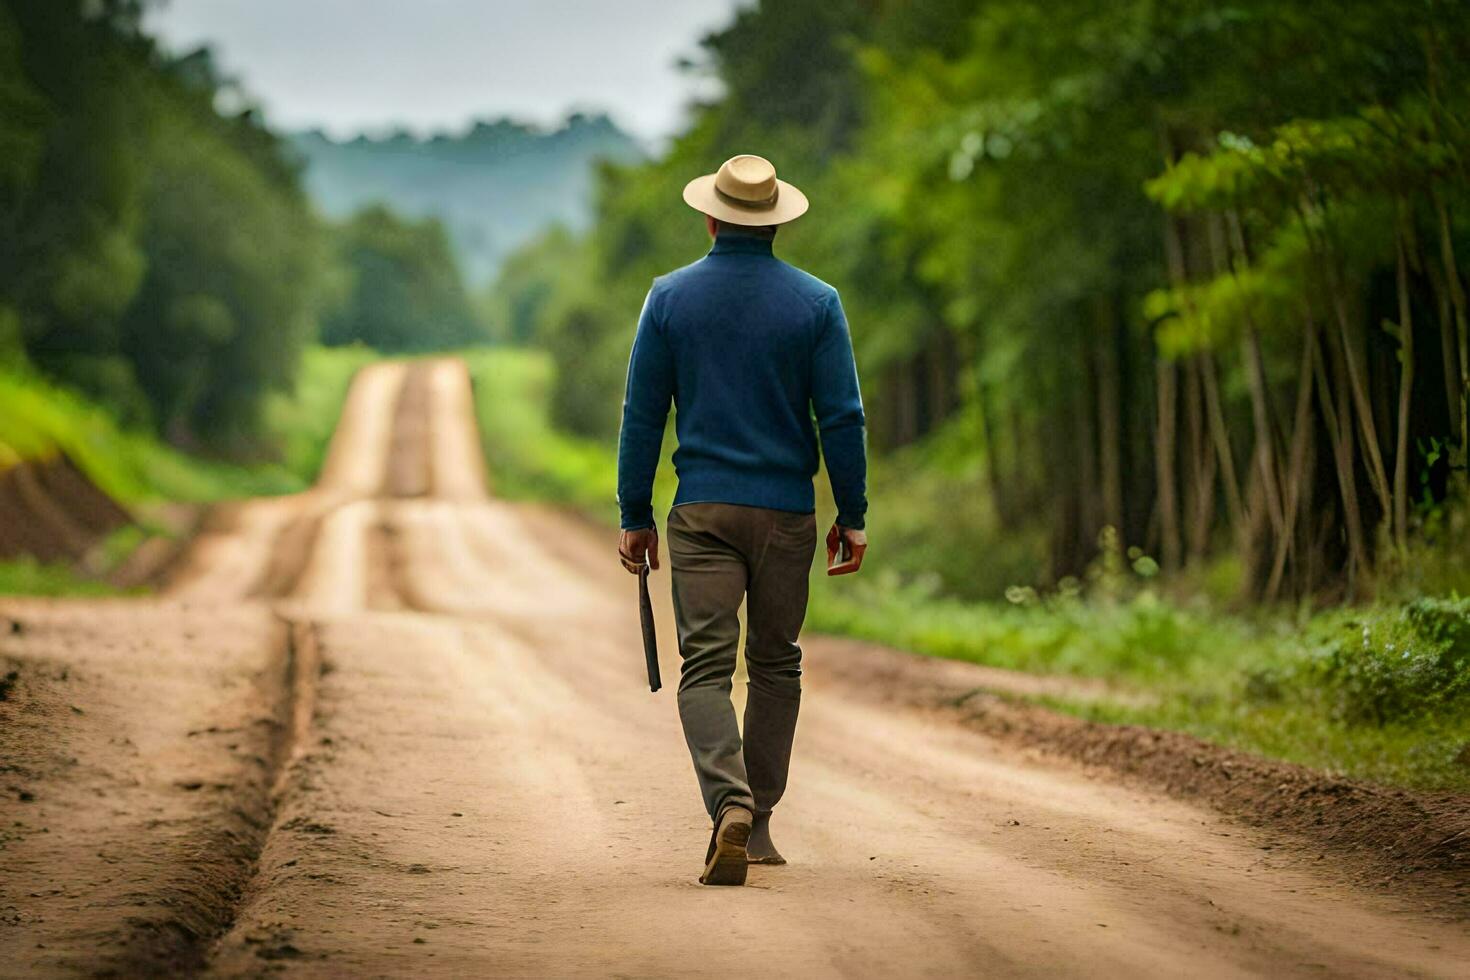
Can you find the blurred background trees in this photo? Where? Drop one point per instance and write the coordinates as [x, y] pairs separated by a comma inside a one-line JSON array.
[[1187, 270], [157, 249], [403, 288], [157, 254]]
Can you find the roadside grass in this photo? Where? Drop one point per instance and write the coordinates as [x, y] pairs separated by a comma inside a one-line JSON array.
[[528, 458], [26, 576], [38, 419], [299, 424], [1379, 692]]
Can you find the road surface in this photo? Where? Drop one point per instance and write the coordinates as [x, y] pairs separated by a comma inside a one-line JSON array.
[[396, 727]]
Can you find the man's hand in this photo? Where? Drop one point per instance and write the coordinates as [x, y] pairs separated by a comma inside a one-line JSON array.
[[634, 547], [845, 548]]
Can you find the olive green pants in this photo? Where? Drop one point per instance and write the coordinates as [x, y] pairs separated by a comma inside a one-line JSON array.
[[723, 555]]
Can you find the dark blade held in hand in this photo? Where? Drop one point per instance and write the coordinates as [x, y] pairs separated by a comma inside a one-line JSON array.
[[650, 638]]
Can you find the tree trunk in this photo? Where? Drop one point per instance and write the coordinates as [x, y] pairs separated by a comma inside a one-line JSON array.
[[1166, 381], [999, 492], [1202, 466], [1265, 432], [1260, 394], [1296, 474], [1456, 288], [1085, 470], [1338, 425], [1377, 476], [1109, 419], [1406, 384], [1215, 412], [1166, 378]]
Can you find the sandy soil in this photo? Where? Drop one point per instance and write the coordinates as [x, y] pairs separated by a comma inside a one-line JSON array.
[[396, 727]]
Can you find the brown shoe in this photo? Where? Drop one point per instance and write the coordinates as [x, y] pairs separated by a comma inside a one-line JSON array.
[[725, 863]]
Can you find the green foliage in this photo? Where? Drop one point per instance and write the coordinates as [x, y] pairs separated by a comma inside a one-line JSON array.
[[156, 253], [1403, 665], [1379, 149], [519, 309], [1307, 691], [405, 292], [942, 475], [528, 457], [27, 576], [38, 418], [1217, 313], [234, 259], [547, 297]]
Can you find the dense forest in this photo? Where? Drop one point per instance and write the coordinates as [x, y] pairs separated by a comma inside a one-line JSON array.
[[157, 249], [1192, 271]]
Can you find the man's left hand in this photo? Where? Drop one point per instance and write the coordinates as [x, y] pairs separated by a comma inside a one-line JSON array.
[[637, 546], [849, 544]]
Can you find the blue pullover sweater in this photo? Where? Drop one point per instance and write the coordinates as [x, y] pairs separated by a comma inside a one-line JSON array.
[[748, 349]]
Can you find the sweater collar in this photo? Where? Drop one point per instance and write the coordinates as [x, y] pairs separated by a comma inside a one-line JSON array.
[[734, 241]]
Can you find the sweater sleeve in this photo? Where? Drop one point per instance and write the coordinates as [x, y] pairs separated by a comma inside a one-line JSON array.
[[645, 413], [838, 404]]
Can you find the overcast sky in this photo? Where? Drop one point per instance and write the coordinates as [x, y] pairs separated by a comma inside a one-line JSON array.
[[346, 65]]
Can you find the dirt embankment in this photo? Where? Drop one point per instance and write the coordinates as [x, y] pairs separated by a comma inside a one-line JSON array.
[[51, 511]]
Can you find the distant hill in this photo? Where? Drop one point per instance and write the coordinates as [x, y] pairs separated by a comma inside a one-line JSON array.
[[494, 187]]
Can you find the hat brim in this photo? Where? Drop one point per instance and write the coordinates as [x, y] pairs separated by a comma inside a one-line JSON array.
[[790, 204]]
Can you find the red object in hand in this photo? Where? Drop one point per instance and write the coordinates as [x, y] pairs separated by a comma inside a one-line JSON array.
[[845, 549]]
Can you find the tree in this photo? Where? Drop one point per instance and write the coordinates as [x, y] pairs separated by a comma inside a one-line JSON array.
[[154, 252], [406, 293]]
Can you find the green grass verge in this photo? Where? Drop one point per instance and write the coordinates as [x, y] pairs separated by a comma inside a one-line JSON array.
[[300, 424], [1380, 693], [27, 576], [528, 458], [38, 418]]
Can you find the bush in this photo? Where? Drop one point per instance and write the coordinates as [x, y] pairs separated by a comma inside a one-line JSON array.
[[404, 292], [1412, 665]]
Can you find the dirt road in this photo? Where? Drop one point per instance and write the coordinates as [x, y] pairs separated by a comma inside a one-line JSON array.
[[396, 727]]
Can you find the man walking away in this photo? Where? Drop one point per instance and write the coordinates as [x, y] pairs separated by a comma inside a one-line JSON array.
[[748, 349]]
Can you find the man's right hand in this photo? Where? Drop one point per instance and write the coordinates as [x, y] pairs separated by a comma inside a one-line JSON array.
[[636, 547]]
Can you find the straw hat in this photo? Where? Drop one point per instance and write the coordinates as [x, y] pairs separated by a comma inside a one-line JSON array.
[[745, 191]]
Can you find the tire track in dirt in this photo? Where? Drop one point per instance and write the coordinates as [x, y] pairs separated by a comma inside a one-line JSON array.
[[139, 797], [290, 553], [408, 472], [146, 778]]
